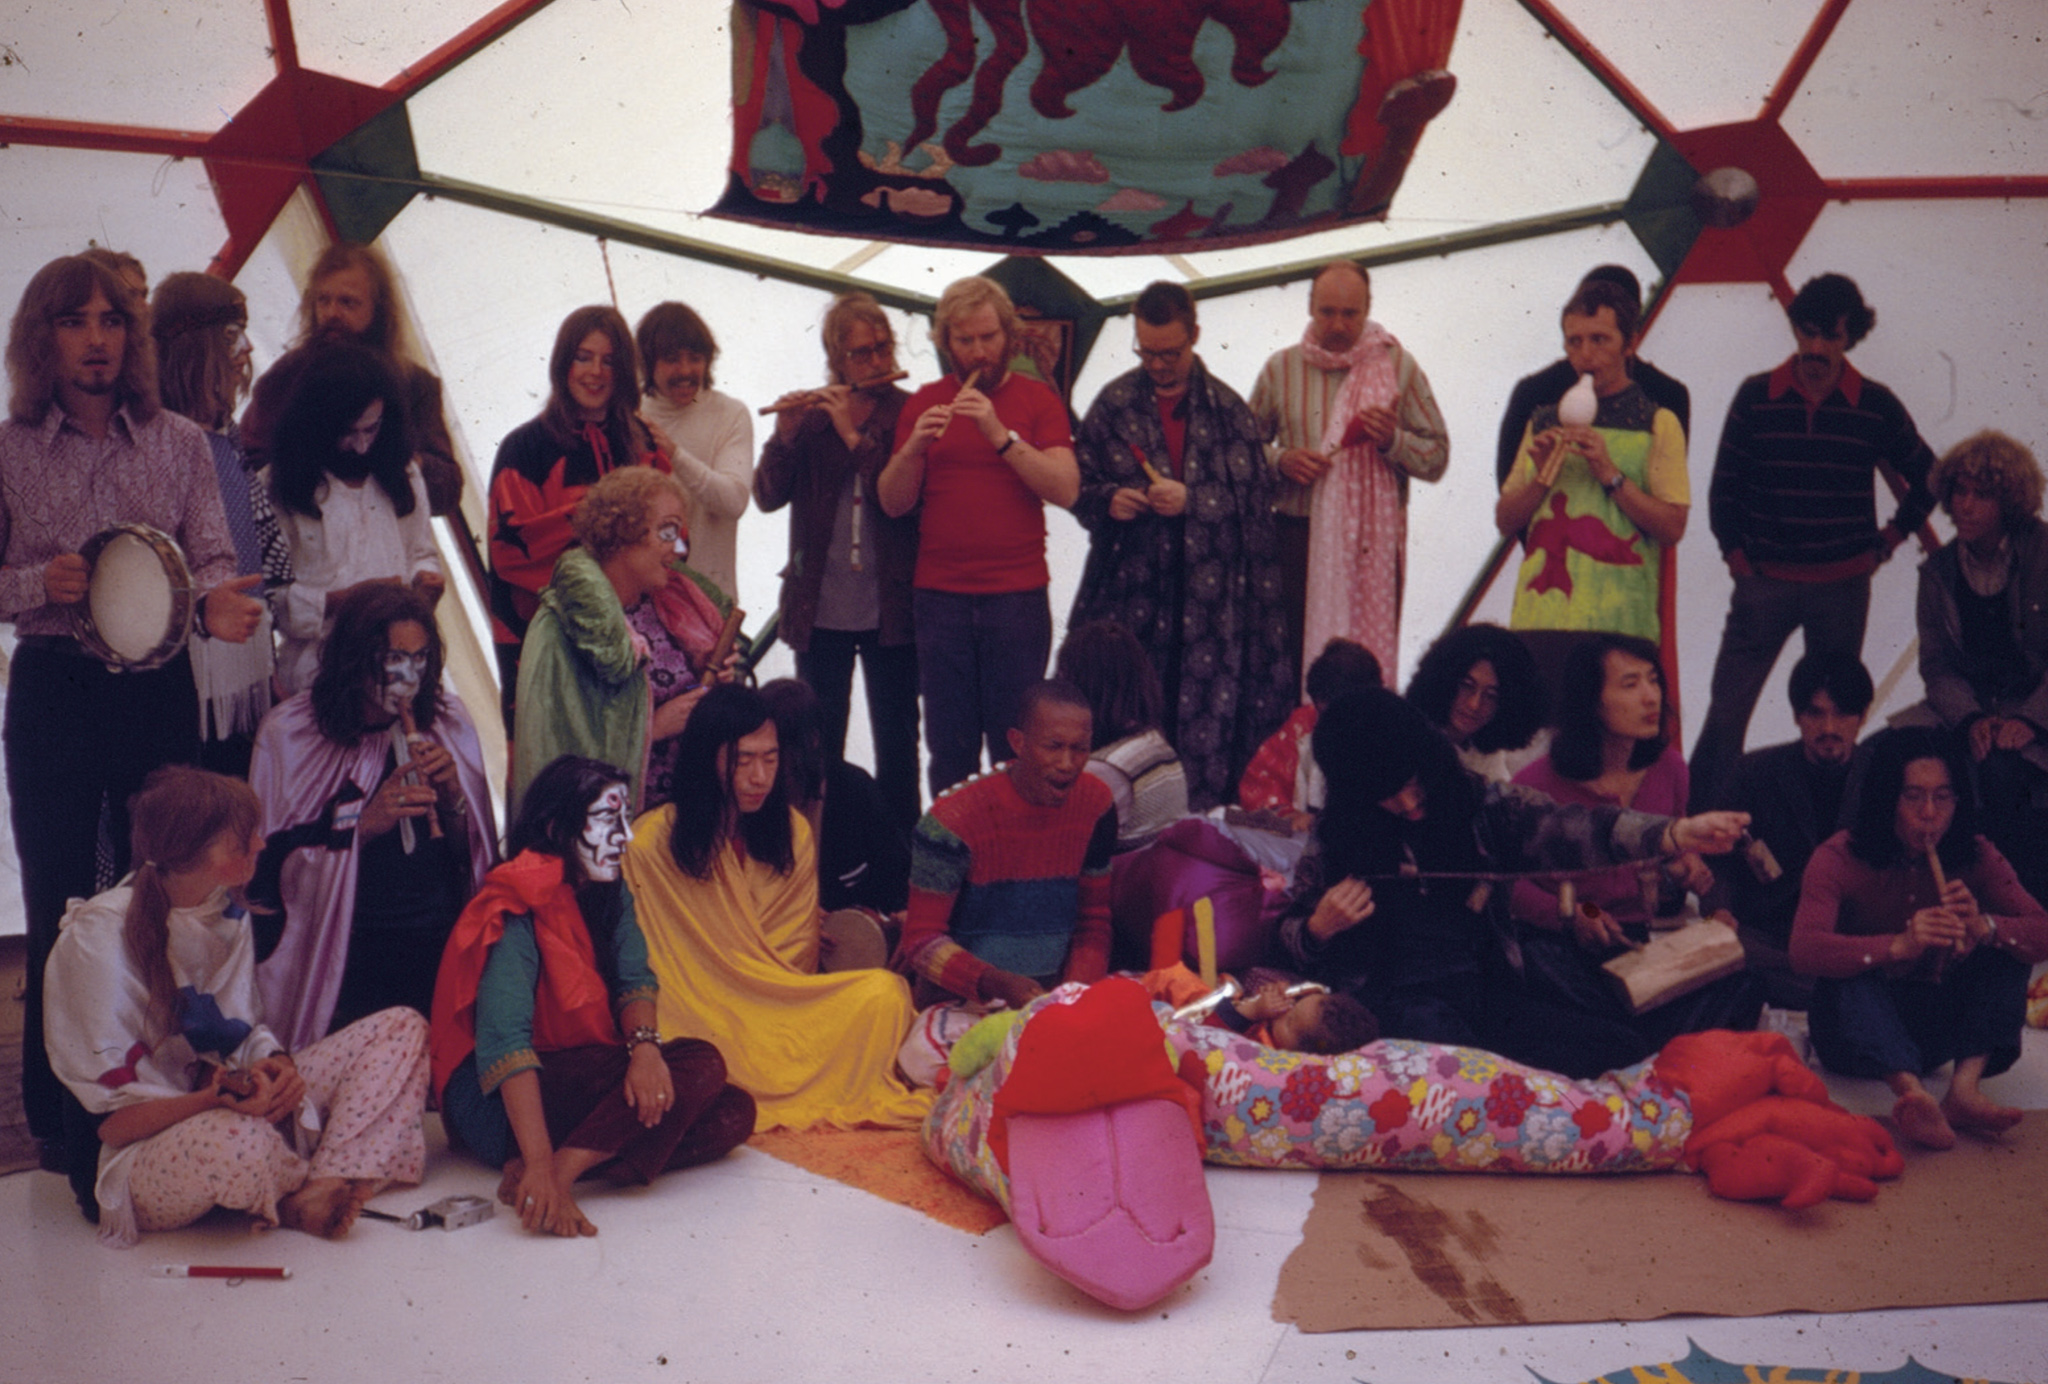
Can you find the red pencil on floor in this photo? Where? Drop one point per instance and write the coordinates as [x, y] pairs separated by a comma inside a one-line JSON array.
[[217, 1271]]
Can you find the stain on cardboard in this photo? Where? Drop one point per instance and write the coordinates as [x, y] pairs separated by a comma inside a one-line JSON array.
[[1435, 1244]]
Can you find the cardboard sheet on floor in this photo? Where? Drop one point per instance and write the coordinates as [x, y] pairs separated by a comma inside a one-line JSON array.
[[1420, 1250]]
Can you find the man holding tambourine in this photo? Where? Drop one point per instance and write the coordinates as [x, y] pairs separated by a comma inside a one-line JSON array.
[[86, 447]]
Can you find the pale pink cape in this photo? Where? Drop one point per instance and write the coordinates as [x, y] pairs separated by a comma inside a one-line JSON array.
[[296, 771], [1358, 529]]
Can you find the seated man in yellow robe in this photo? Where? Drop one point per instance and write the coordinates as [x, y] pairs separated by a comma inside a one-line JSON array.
[[725, 880]]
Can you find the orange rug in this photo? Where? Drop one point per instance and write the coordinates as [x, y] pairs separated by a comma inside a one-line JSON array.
[[888, 1163]]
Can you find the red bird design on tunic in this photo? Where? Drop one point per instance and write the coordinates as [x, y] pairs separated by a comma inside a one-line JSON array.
[[1555, 537]]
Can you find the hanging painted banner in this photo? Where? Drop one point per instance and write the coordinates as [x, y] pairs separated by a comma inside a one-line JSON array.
[[1080, 126]]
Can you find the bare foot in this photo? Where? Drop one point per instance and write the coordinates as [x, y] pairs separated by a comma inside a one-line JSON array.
[[1921, 1120], [1978, 1114], [325, 1206], [508, 1185]]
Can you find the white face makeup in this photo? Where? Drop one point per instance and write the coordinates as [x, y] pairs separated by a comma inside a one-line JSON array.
[[603, 842], [671, 534], [405, 666]]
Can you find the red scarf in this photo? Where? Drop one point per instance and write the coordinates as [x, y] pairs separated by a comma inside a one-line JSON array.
[[572, 1006]]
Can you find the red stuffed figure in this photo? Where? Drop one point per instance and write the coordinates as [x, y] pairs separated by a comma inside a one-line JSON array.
[[1764, 1128]]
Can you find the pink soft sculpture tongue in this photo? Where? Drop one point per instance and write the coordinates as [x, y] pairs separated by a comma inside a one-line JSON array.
[[1102, 1143]]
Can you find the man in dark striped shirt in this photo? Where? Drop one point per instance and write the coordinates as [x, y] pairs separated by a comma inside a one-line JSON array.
[[1794, 507]]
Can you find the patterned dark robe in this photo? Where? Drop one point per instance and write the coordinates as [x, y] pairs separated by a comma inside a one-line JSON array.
[[1200, 591]]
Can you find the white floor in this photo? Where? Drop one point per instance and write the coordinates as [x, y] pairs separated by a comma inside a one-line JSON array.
[[752, 1270]]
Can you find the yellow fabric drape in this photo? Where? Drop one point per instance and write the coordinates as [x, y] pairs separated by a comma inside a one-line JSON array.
[[735, 955]]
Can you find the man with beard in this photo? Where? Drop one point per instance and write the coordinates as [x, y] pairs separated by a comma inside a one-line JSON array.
[[350, 296], [1793, 795], [978, 454], [1177, 501], [87, 445], [1352, 420], [1794, 510]]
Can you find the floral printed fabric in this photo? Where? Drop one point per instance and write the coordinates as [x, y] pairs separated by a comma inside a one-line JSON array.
[[1399, 1104], [1391, 1104]]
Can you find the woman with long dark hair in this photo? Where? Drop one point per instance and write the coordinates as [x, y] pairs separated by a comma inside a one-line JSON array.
[[1612, 746], [1920, 938], [1612, 749], [377, 820], [586, 429], [348, 498], [154, 1025], [726, 878], [546, 1059]]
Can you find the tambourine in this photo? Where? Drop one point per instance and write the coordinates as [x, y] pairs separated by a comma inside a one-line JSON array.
[[858, 941], [137, 611]]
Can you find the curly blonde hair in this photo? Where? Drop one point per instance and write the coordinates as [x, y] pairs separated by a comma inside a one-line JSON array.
[[1994, 464], [618, 511]]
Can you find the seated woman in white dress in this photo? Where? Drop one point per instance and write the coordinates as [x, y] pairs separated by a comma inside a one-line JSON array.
[[153, 1024]]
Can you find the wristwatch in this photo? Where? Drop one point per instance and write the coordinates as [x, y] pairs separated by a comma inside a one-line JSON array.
[[1610, 486], [1008, 442]]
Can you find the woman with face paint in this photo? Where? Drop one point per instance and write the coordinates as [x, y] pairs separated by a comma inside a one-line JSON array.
[[545, 1054], [376, 819], [348, 497], [617, 655]]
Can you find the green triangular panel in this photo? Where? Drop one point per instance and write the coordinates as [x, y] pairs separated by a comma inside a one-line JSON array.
[[1659, 208], [369, 175], [1033, 283]]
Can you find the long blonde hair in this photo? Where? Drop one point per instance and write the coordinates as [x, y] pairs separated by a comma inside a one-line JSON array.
[[176, 816]]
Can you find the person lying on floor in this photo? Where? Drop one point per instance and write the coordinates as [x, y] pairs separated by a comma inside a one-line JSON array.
[[203, 1106], [1271, 1008], [1920, 939], [546, 1059]]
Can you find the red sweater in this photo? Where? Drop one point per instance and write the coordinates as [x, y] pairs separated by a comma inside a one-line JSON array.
[[981, 530]]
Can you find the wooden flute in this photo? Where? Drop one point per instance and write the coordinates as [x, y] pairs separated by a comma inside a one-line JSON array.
[[805, 400]]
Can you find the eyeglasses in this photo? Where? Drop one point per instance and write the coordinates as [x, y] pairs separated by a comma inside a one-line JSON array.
[[1926, 797], [1171, 356], [881, 350], [670, 535]]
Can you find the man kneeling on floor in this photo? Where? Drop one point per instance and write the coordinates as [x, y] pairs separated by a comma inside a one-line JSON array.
[[1009, 871]]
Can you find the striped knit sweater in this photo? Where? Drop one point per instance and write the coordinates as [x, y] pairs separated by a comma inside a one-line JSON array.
[[1793, 494], [1000, 883]]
